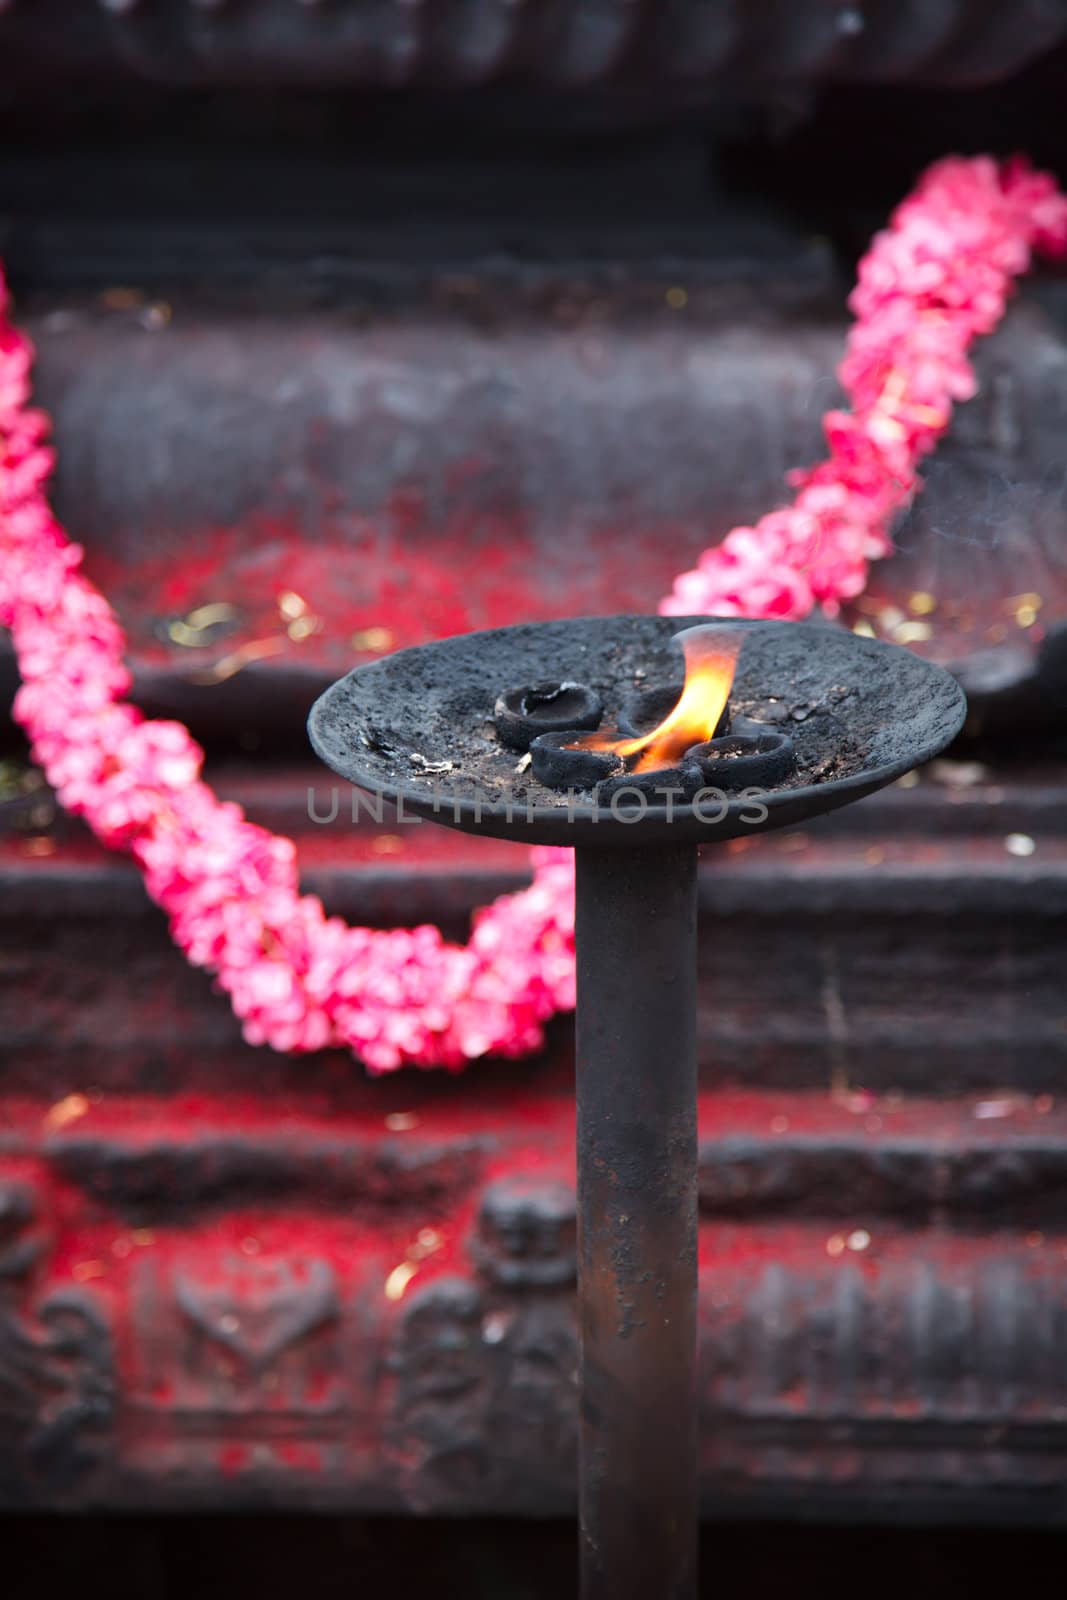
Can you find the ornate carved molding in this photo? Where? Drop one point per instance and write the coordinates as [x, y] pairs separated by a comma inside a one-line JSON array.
[[57, 1378]]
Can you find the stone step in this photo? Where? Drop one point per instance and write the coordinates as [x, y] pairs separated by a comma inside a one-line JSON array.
[[925, 962]]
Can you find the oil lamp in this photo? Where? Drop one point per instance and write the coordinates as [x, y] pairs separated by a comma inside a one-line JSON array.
[[770, 724]]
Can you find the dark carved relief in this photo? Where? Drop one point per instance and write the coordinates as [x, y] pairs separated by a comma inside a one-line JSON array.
[[444, 1370], [258, 1314], [485, 1384], [241, 1356], [526, 1233], [240, 1373], [535, 1408], [20, 1247], [57, 1380]]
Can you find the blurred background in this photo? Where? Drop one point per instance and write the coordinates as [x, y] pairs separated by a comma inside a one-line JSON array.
[[369, 321]]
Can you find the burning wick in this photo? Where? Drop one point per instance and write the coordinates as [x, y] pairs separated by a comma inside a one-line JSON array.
[[687, 748], [710, 663]]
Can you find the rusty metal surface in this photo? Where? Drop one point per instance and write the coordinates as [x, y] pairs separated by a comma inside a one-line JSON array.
[[636, 1142], [575, 45]]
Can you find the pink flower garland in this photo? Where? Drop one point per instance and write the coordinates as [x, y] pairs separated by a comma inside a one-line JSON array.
[[300, 980], [938, 276]]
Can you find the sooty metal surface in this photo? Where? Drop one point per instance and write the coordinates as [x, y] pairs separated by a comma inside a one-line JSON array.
[[417, 727]]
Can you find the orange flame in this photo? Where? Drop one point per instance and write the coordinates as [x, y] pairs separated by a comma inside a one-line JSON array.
[[710, 663]]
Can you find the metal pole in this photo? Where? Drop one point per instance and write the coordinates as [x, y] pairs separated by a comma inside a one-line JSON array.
[[637, 1222]]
